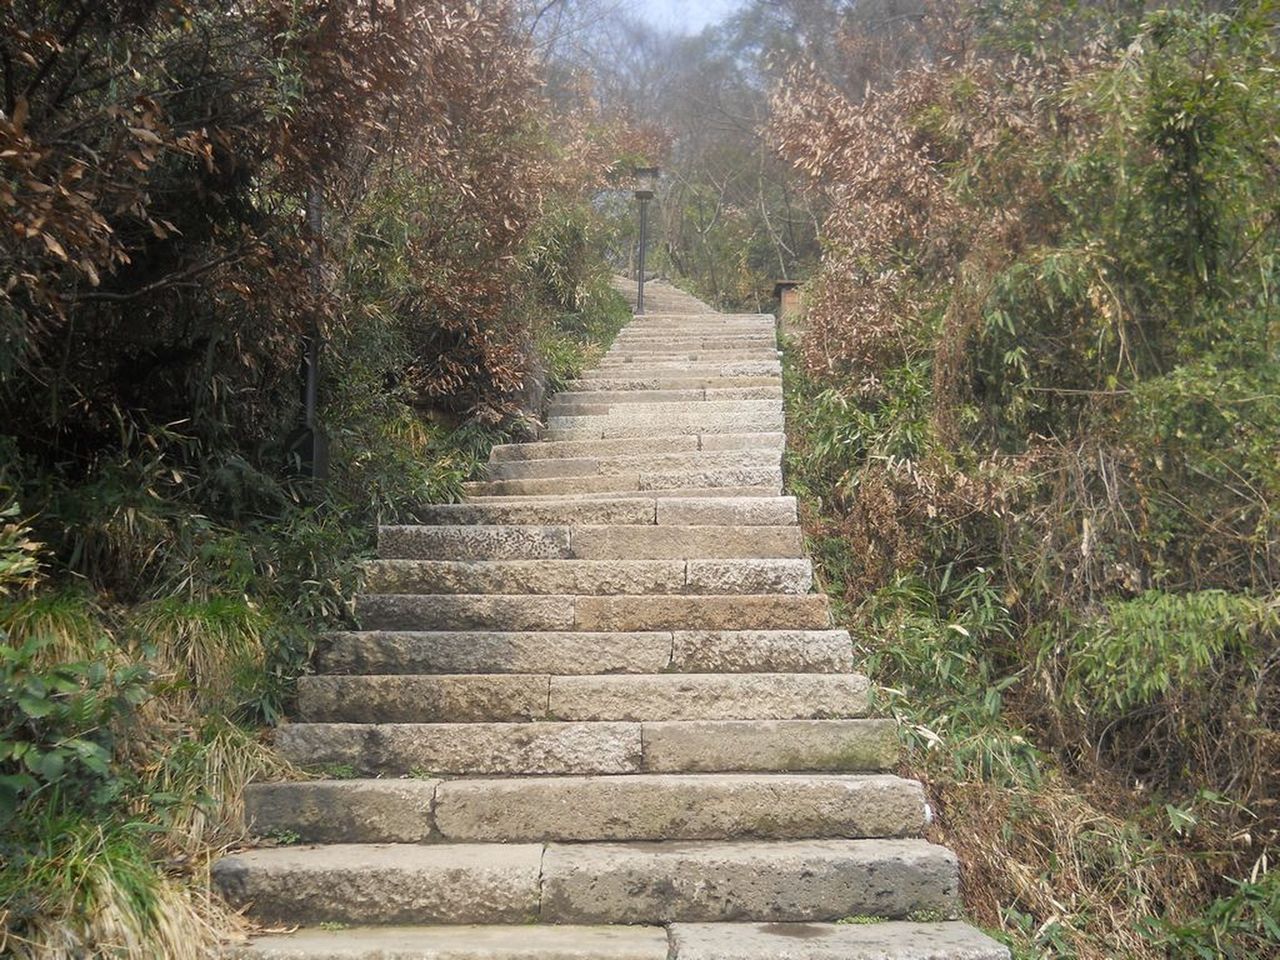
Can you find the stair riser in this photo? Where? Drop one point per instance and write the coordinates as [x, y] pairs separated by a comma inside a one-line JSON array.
[[556, 749], [755, 511], [590, 577], [649, 463], [594, 542], [514, 698], [565, 499], [584, 653], [592, 614], [673, 382], [643, 807], [795, 881], [598, 448], [630, 483]]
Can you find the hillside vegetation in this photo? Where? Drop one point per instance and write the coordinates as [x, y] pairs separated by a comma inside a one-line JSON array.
[[1037, 418], [190, 190]]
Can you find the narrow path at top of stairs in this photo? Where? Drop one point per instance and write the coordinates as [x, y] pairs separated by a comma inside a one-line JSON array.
[[596, 711]]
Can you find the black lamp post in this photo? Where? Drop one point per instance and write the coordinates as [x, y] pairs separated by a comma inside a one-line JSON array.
[[646, 188]]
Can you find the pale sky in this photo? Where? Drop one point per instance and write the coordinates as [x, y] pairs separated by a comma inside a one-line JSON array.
[[685, 16]]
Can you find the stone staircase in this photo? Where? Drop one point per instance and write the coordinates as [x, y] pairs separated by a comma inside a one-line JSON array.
[[595, 712]]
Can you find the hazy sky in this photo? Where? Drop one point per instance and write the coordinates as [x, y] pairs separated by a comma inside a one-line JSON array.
[[687, 16]]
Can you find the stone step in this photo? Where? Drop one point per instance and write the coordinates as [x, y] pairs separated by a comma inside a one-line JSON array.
[[693, 881], [512, 698], [629, 511], [587, 542], [460, 942], [561, 748], [643, 356], [599, 447], [655, 409], [671, 382], [769, 477], [685, 371], [711, 493], [590, 577], [633, 807], [613, 426], [633, 463], [684, 395], [888, 940], [662, 369], [593, 614], [597, 542], [749, 651]]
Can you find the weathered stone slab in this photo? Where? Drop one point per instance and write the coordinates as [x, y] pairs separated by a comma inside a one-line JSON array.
[[520, 577], [464, 749], [679, 807], [359, 883], [891, 940], [796, 880], [773, 575], [466, 698], [742, 512], [809, 612], [632, 510], [768, 696], [781, 745], [490, 652], [472, 542], [342, 811], [463, 942], [576, 449], [464, 611], [673, 382], [741, 441], [769, 477], [762, 651], [657, 542], [683, 493]]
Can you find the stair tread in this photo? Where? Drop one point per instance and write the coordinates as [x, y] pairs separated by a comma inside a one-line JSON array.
[[889, 940]]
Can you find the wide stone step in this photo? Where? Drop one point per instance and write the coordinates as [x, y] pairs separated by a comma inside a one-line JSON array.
[[561, 748], [461, 942], [502, 698], [685, 371], [629, 511], [752, 651], [597, 448], [590, 577], [715, 493], [766, 881], [641, 356], [633, 463], [889, 940], [769, 477], [592, 613], [684, 395], [633, 807], [676, 381]]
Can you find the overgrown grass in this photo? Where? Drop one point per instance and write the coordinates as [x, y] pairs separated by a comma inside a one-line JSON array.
[[153, 623], [1036, 741]]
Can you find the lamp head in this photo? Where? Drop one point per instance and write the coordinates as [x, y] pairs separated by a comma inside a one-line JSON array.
[[646, 182]]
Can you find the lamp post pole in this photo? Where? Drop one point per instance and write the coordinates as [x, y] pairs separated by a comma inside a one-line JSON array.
[[644, 242], [646, 188]]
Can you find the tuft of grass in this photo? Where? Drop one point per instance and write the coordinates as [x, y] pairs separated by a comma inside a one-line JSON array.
[[86, 889]]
